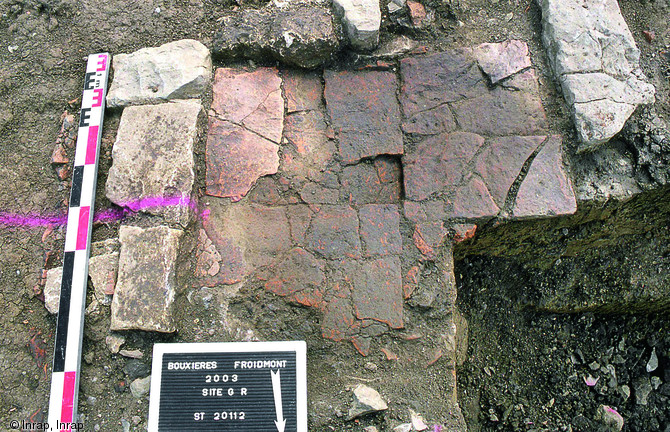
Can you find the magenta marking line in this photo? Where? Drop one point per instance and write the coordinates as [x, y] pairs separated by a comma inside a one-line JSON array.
[[32, 220]]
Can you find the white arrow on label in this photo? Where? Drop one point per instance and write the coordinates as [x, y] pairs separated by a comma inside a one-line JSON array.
[[276, 389]]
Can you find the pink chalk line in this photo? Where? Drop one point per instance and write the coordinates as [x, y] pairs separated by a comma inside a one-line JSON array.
[[109, 215]]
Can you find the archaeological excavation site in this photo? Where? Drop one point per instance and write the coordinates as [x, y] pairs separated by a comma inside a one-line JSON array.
[[335, 215]]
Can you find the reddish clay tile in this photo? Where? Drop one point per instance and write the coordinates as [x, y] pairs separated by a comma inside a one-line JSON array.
[[547, 189], [378, 292], [473, 200], [251, 100], [364, 112], [377, 183], [500, 163], [502, 112], [236, 158], [428, 237], [334, 232], [437, 163], [463, 232], [380, 229], [411, 281], [303, 90], [300, 277], [338, 321], [433, 80]]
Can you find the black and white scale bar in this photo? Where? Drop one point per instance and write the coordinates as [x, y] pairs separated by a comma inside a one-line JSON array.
[[69, 330]]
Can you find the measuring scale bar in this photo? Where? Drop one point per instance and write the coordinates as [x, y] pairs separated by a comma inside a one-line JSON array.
[[70, 324]]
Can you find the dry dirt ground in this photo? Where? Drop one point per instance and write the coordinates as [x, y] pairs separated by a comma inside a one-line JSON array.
[[531, 381]]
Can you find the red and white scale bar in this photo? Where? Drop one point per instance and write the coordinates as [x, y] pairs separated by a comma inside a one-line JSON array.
[[69, 330]]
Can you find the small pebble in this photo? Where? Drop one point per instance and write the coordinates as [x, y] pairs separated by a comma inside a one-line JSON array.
[[136, 354], [652, 364]]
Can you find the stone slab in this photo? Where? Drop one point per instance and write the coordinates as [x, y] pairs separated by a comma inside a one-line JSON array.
[[298, 34], [361, 20], [593, 54], [146, 284], [176, 70], [153, 159], [364, 112]]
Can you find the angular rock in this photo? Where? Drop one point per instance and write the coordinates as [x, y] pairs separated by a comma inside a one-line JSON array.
[[176, 70], [140, 387], [501, 162], [417, 12], [114, 343], [364, 112], [302, 35], [153, 168], [503, 59], [236, 159], [591, 37], [250, 99], [334, 233], [378, 293], [52, 289], [361, 20], [395, 47], [366, 400], [146, 283], [380, 230], [547, 189], [378, 182], [102, 270], [610, 418], [438, 163]]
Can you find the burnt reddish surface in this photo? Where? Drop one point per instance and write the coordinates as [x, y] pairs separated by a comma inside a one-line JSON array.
[[364, 112]]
